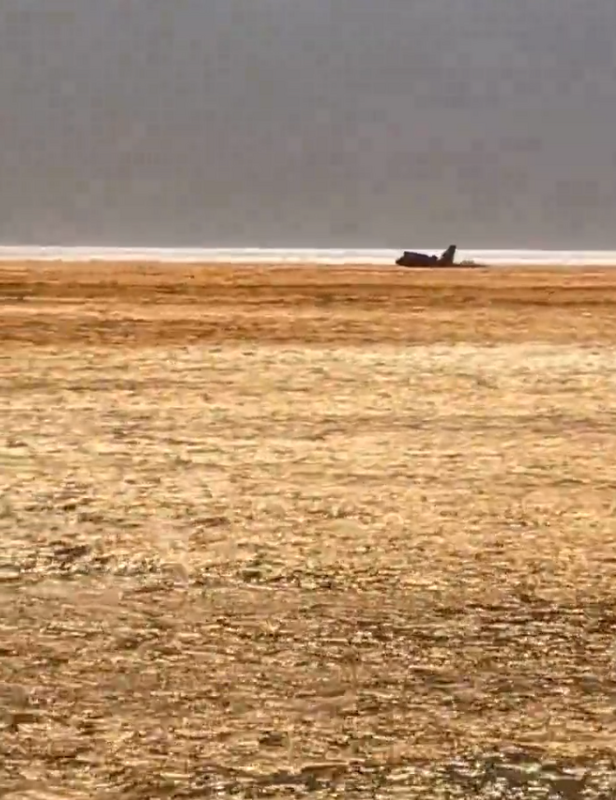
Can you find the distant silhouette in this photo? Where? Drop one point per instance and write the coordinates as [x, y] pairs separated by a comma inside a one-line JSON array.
[[411, 259]]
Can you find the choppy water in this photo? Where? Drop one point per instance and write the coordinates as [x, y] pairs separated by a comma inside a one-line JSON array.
[[301, 256]]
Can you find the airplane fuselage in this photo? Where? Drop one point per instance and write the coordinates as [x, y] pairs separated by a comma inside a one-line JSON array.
[[412, 259]]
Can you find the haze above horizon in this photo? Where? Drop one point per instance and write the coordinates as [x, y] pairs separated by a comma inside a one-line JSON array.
[[266, 123]]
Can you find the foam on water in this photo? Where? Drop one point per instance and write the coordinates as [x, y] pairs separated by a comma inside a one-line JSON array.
[[255, 255]]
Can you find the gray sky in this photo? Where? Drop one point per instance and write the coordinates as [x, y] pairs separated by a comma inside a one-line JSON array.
[[377, 123]]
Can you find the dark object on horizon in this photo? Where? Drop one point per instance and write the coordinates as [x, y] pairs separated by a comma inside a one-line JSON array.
[[412, 259]]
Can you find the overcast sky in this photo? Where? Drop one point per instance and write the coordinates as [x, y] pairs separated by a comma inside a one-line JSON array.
[[377, 123]]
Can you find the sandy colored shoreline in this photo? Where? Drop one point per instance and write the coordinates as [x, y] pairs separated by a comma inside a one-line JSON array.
[[255, 545], [138, 305]]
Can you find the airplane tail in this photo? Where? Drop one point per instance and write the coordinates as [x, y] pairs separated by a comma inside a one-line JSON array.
[[448, 255]]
